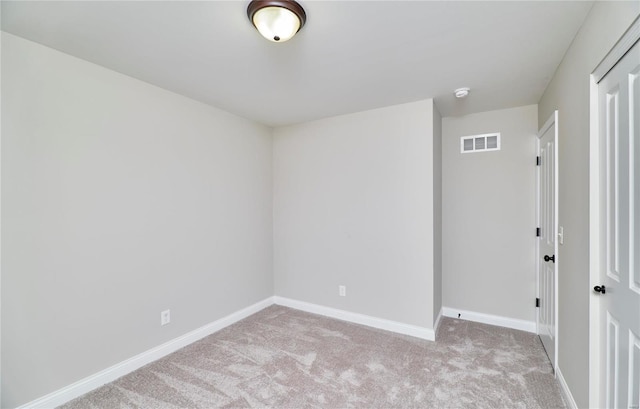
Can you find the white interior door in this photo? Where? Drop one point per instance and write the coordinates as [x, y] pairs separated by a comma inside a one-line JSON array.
[[546, 243], [618, 287]]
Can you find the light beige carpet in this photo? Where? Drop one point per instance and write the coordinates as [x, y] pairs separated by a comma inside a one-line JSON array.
[[283, 358]]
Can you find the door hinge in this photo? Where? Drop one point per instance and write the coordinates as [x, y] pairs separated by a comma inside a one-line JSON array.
[[537, 231], [538, 161], [537, 302]]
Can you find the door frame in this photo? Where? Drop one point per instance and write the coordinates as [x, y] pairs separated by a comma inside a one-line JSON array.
[[552, 121], [624, 44]]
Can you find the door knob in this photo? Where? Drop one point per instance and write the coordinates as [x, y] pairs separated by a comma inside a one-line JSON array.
[[599, 289], [550, 258]]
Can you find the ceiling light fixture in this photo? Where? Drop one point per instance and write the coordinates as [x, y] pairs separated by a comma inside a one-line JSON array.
[[461, 92], [277, 21]]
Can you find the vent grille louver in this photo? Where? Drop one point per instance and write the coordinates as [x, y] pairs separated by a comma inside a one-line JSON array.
[[480, 143]]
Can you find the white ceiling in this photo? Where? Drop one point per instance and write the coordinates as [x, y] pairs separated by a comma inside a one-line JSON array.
[[350, 56]]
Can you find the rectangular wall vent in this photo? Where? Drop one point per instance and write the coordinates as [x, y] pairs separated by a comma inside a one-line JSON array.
[[480, 143]]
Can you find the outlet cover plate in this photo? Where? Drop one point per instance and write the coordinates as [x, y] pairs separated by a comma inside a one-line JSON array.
[[165, 317]]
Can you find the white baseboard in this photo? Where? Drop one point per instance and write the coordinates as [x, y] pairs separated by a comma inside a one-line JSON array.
[[522, 325], [114, 372], [380, 323], [568, 397], [97, 380]]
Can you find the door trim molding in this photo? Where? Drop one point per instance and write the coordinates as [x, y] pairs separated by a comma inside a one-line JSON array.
[[553, 119], [630, 37], [624, 44], [594, 244]]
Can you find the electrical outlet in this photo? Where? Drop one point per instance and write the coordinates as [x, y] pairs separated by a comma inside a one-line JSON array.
[[165, 317], [342, 290]]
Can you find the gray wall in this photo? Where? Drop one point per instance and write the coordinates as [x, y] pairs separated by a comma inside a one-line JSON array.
[[568, 92], [488, 231], [119, 200], [354, 206]]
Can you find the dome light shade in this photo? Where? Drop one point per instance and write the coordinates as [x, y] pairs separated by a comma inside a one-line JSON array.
[[277, 21], [462, 92]]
